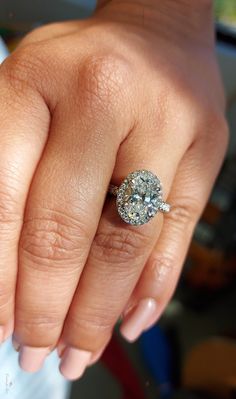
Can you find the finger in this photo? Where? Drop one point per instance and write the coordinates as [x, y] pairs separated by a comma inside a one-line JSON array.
[[62, 213], [191, 189], [117, 256], [24, 121]]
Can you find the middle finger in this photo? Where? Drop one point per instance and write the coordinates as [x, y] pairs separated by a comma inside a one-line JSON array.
[[62, 214]]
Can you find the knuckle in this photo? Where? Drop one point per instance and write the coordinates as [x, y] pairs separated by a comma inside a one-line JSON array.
[[23, 68], [53, 237], [35, 325], [41, 32], [215, 119], [91, 323], [102, 78], [161, 267], [119, 246], [183, 215], [212, 119], [214, 130], [220, 129], [163, 272]]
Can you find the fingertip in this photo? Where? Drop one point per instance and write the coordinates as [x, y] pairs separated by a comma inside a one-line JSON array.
[[31, 359], [74, 363], [139, 319]]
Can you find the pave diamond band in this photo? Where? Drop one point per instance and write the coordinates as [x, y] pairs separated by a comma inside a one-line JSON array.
[[139, 197]]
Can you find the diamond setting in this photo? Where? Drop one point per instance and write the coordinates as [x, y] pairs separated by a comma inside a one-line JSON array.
[[139, 197]]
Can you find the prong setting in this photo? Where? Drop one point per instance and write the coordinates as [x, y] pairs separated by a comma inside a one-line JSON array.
[[139, 197]]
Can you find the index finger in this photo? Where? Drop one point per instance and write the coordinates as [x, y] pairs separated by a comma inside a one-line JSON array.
[[24, 121]]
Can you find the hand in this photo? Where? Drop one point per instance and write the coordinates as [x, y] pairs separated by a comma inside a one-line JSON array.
[[82, 104]]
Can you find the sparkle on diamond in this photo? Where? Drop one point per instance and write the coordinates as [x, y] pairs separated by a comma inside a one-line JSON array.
[[139, 197]]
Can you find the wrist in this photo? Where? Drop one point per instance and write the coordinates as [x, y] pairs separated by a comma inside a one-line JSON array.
[[182, 16]]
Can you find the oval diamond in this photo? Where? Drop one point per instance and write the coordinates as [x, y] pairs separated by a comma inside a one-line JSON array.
[[139, 197]]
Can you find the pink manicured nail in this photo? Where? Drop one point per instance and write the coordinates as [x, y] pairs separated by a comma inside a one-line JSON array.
[[74, 362], [139, 319], [31, 359]]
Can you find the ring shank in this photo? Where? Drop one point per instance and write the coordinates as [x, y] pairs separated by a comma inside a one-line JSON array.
[[112, 189]]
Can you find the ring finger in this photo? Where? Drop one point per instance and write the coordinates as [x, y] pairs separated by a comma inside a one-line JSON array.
[[116, 259]]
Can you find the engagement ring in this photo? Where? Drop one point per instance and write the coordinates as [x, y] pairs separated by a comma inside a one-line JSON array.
[[139, 197]]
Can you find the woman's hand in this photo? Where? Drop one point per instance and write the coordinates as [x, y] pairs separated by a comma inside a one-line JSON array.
[[86, 103]]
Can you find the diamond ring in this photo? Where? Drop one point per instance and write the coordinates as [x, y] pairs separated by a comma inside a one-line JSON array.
[[139, 197]]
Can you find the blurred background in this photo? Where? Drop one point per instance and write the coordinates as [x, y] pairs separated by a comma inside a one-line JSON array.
[[191, 352]]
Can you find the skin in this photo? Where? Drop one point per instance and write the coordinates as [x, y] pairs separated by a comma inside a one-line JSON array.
[[83, 103]]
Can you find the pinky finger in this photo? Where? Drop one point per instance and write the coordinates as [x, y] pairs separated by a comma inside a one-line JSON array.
[[191, 188]]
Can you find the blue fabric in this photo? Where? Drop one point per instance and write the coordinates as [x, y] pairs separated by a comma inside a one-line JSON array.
[[157, 356], [47, 383]]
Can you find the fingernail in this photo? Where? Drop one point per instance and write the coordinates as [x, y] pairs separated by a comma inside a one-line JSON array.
[[31, 359], [139, 319], [74, 362]]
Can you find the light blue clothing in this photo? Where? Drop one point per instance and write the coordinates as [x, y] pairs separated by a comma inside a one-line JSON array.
[[3, 51], [47, 383]]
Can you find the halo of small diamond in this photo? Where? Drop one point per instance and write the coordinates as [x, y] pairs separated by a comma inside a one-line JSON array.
[[139, 197]]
